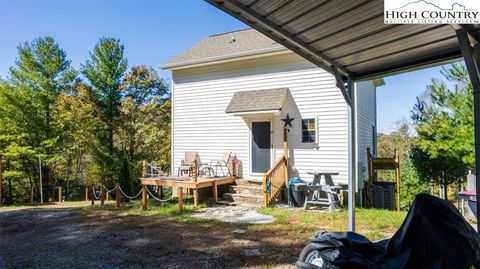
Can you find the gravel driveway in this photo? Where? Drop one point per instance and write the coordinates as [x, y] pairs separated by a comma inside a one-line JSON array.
[[72, 238]]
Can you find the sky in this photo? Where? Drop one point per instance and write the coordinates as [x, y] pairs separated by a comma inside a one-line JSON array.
[[153, 31]]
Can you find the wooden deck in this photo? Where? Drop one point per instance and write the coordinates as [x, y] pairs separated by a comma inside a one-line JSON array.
[[185, 182]]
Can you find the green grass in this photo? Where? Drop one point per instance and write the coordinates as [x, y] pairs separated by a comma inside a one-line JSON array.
[[373, 223], [295, 223]]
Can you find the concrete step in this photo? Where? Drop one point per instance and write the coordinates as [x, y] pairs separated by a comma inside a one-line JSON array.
[[246, 189], [243, 198], [248, 182], [230, 203]]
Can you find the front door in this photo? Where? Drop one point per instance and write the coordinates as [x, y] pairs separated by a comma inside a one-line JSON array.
[[261, 153]]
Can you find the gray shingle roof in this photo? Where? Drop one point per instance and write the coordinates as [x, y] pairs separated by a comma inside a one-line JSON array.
[[258, 100], [224, 46]]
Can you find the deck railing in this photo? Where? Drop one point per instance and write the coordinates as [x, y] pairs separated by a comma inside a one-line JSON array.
[[274, 180]]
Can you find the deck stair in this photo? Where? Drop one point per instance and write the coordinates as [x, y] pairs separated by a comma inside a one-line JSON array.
[[245, 192]]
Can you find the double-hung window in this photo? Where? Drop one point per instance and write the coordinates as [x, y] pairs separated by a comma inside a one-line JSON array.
[[308, 130]]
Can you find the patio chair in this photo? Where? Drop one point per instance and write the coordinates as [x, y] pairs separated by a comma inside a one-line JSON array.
[[187, 163], [224, 163]]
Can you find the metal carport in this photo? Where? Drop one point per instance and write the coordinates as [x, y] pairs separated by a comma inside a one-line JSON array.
[[349, 39]]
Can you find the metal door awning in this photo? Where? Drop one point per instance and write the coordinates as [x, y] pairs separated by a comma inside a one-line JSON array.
[[349, 39]]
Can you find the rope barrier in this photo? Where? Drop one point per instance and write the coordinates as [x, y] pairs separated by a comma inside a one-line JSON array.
[[94, 195], [129, 197], [109, 191], [158, 199]]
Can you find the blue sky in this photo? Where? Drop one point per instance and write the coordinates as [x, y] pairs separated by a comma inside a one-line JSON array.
[[153, 31]]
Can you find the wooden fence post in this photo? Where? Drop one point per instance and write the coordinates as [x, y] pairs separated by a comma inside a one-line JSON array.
[[59, 194], [86, 194], [144, 197], [102, 195], [93, 197], [117, 195], [31, 194]]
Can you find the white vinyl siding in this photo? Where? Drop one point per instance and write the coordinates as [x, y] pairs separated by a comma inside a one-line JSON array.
[[366, 125], [200, 123]]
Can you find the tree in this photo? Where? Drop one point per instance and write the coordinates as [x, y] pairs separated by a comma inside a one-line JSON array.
[[141, 110], [105, 71], [28, 99], [79, 116], [443, 119], [125, 177], [145, 113], [410, 183]]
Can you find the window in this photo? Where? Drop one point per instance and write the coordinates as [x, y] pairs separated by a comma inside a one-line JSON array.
[[308, 130]]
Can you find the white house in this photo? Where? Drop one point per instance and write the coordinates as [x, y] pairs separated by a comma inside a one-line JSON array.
[[231, 91]]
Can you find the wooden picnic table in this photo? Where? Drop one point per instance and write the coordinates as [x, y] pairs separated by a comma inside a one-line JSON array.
[[315, 187], [185, 182]]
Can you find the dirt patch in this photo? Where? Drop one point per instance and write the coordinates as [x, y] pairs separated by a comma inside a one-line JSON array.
[[72, 238]]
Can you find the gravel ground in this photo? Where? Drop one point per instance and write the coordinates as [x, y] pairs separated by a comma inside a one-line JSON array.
[[72, 238]]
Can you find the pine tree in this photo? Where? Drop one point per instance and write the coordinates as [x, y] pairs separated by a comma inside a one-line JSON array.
[[28, 99], [105, 71]]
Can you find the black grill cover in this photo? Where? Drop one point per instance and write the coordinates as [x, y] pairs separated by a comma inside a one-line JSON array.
[[433, 235]]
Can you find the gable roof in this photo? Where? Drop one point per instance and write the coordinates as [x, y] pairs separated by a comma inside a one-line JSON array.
[[229, 45], [257, 100]]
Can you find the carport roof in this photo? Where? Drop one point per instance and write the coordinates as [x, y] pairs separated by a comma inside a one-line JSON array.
[[348, 37]]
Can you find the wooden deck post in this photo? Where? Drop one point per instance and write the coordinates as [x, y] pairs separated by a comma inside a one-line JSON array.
[[265, 194], [195, 170], [144, 169], [102, 196], [285, 153], [144, 197], [59, 194], [215, 192], [195, 197], [117, 195], [180, 198]]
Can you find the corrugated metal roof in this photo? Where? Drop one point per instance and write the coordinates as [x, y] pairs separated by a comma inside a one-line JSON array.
[[348, 35], [258, 100], [227, 45]]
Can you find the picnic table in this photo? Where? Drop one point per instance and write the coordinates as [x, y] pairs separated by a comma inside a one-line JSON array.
[[314, 189]]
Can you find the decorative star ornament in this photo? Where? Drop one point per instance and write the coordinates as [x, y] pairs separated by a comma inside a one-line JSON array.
[[288, 121]]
